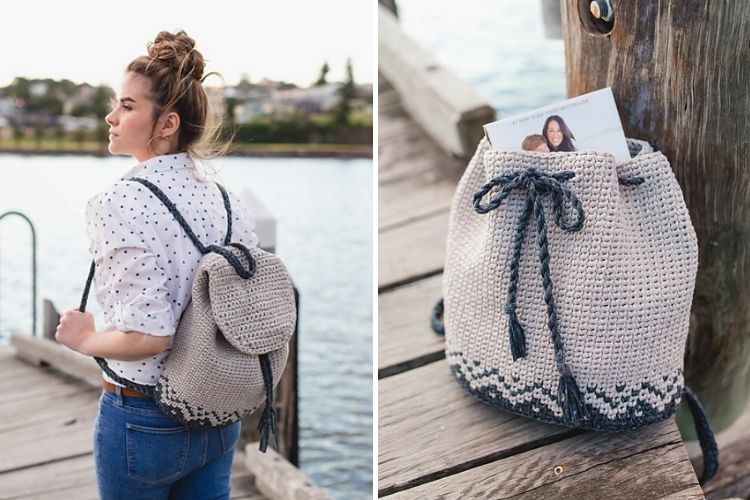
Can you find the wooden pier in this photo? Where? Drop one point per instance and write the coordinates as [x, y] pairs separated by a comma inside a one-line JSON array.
[[46, 434], [435, 440]]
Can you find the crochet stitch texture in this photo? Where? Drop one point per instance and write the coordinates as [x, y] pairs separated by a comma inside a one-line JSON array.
[[621, 288]]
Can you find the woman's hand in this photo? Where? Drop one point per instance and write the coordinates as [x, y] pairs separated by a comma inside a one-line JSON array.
[[74, 329]]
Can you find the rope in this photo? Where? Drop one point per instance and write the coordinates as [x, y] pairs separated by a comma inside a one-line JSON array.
[[705, 436]]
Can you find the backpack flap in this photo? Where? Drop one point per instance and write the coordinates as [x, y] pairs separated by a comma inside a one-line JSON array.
[[257, 315]]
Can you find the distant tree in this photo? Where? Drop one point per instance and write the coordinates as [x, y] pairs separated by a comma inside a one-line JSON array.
[[347, 93], [20, 88], [38, 135], [81, 109], [60, 135], [229, 118], [80, 137], [323, 72], [100, 101], [17, 132], [102, 133]]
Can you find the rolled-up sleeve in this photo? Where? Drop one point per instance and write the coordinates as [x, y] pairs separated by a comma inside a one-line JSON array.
[[131, 287]]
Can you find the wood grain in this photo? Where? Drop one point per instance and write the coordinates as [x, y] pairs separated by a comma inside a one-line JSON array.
[[429, 426], [445, 107], [405, 339], [679, 71], [277, 478], [412, 251], [620, 465]]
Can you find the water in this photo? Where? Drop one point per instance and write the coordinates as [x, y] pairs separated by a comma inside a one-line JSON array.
[[324, 234], [497, 47]]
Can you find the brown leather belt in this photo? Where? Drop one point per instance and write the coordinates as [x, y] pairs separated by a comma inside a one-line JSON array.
[[128, 393]]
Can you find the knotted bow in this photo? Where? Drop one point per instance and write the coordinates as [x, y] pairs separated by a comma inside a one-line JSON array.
[[537, 184]]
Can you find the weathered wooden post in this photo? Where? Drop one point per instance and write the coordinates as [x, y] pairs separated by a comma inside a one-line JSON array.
[[679, 70]]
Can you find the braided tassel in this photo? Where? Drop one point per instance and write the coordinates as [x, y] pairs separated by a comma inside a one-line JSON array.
[[267, 423], [570, 399], [267, 426], [516, 334]]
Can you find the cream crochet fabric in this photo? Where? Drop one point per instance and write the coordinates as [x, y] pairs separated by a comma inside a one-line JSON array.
[[213, 376], [622, 287], [231, 344]]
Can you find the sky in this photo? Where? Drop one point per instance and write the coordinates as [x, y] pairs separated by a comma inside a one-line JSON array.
[[92, 41]]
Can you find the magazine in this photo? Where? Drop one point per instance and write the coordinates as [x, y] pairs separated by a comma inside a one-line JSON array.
[[589, 122]]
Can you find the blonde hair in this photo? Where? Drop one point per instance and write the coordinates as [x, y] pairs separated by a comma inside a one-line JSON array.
[[175, 69]]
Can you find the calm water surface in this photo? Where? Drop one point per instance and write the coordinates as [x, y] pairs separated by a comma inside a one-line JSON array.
[[496, 46], [324, 234]]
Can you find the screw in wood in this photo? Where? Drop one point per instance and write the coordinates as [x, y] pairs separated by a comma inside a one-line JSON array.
[[601, 9]]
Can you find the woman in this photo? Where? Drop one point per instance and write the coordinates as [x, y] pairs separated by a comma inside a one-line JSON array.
[[145, 265], [558, 135]]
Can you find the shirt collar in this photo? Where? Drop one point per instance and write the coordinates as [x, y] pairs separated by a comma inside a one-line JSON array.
[[163, 163]]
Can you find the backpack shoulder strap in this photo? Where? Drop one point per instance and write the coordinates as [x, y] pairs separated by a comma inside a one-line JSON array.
[[228, 207], [178, 216]]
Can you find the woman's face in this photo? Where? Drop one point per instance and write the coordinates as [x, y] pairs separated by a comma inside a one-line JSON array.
[[131, 121], [554, 133]]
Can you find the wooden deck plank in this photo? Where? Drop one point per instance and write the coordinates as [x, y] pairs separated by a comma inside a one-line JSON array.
[[46, 436], [405, 338], [409, 200], [415, 177], [63, 435], [429, 425], [620, 465], [412, 251], [43, 410], [75, 478]]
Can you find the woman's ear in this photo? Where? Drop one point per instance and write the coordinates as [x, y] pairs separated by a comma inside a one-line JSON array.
[[169, 125]]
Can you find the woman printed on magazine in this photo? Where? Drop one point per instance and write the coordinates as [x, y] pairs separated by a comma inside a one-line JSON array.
[[557, 134]]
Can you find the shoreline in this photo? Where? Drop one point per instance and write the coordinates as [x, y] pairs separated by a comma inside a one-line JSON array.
[[271, 151]]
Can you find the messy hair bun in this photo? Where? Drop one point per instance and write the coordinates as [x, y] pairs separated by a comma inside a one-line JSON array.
[[175, 70], [178, 52]]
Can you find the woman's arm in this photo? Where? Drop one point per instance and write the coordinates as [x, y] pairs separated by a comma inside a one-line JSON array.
[[123, 346], [76, 331]]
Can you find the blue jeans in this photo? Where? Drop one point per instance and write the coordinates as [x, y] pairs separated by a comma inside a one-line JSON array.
[[141, 453]]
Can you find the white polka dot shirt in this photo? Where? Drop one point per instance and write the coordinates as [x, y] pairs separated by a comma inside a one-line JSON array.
[[145, 263]]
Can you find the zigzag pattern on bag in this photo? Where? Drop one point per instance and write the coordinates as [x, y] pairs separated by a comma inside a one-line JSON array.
[[610, 408]]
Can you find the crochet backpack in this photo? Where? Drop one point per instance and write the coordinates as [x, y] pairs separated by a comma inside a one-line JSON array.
[[232, 340], [567, 288]]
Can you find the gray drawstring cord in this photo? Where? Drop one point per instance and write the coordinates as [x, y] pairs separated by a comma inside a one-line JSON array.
[[705, 436], [537, 184], [436, 317]]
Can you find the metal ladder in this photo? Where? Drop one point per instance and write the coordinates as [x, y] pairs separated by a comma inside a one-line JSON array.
[[33, 265]]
